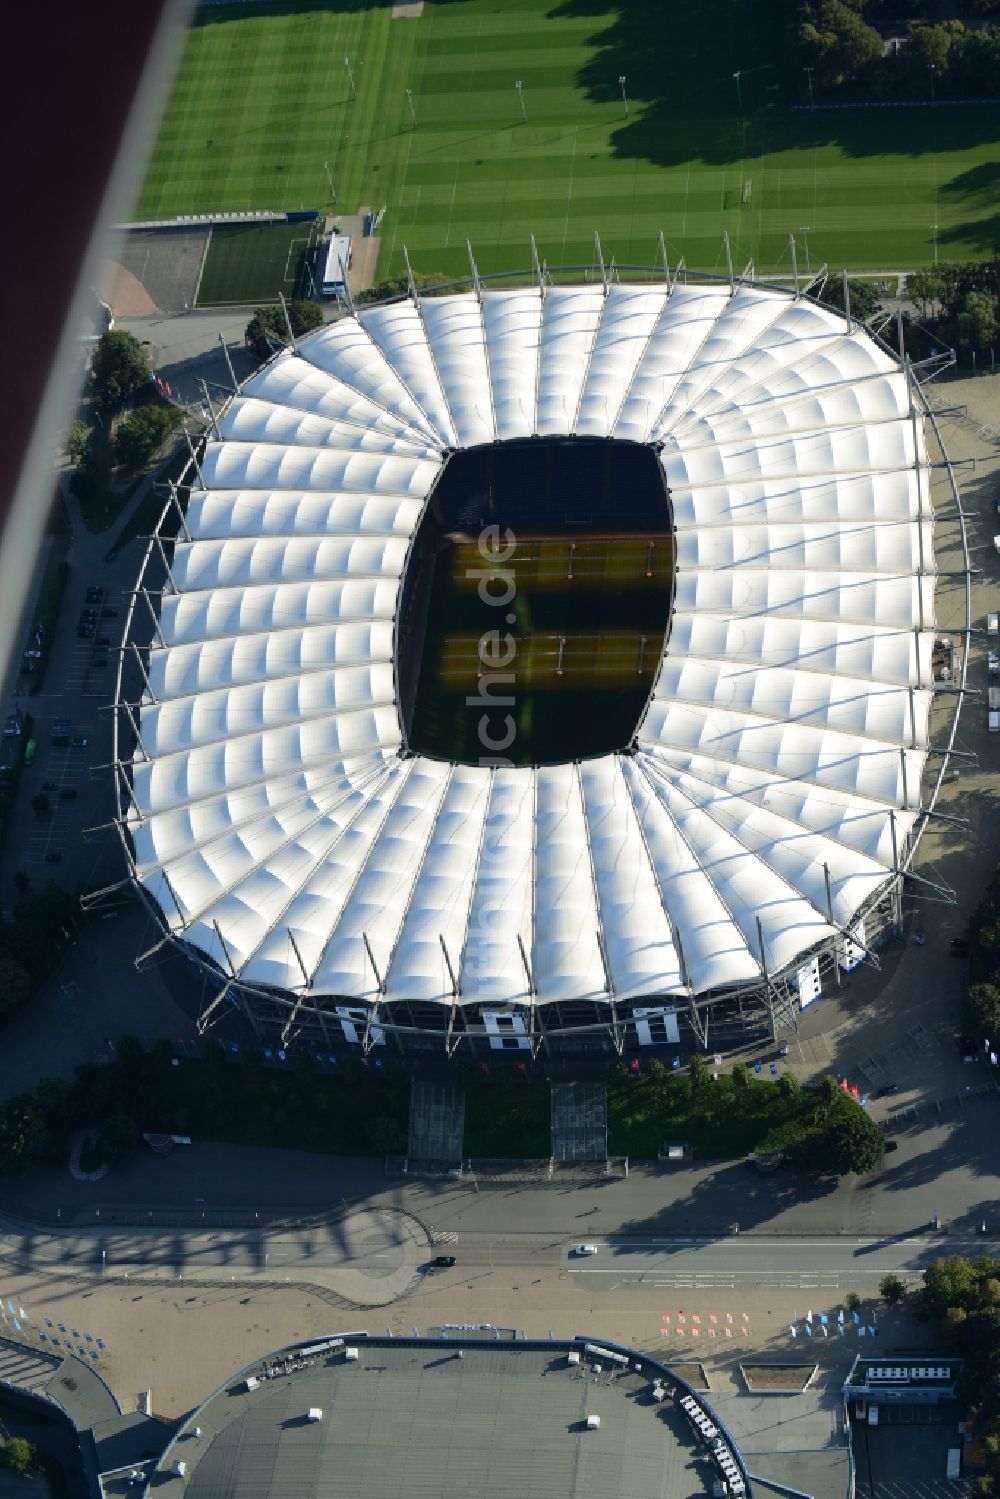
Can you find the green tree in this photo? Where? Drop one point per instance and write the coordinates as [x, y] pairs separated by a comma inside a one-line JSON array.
[[836, 40], [948, 1282], [891, 1289], [267, 328], [981, 1011], [925, 288], [979, 308], [852, 1301], [698, 1076], [15, 987], [845, 1141], [76, 442], [120, 1138], [865, 302], [19, 1455], [24, 1138], [789, 1086], [120, 366], [143, 430], [742, 1077]]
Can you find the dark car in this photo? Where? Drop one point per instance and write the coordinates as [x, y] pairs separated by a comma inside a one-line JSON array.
[[69, 794], [442, 1262], [887, 1090], [78, 742], [103, 643], [109, 613], [890, 1145]]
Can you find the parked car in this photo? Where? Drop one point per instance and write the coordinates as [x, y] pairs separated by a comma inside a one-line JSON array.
[[32, 655], [581, 1250], [993, 662], [103, 643], [84, 632], [78, 742], [887, 1090], [109, 613]]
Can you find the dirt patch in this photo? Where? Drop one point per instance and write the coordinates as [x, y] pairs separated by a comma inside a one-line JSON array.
[[778, 1378], [693, 1373], [124, 292]]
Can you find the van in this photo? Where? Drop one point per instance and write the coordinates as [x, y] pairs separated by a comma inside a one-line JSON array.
[[993, 624], [993, 720], [993, 699]]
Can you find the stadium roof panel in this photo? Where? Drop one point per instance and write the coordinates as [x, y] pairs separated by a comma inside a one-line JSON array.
[[283, 827]]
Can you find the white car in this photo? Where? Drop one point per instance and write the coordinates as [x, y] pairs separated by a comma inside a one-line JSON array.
[[582, 1249]]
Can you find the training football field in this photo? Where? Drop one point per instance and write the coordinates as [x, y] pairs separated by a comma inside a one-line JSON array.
[[265, 113]]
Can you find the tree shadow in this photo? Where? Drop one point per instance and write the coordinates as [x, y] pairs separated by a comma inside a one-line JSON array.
[[710, 80]]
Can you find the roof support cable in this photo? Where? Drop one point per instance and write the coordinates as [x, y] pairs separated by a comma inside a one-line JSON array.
[[205, 1017], [795, 267], [194, 459], [727, 251], [175, 499], [229, 364], [536, 266], [211, 413], [599, 260], [157, 632], [665, 262], [768, 998]]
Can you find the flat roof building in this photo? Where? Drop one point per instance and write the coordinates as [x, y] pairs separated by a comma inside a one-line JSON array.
[[455, 1416]]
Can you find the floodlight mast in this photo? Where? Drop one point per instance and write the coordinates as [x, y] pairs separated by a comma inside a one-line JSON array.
[[350, 77], [413, 112], [520, 98], [621, 85]]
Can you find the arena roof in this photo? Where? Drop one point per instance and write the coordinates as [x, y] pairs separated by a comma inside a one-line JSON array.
[[278, 819], [426, 1419]]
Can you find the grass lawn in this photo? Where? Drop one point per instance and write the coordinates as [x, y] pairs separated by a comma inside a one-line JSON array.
[[253, 262], [722, 1122], [262, 106]]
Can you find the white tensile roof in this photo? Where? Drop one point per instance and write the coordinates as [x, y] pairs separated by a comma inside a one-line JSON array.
[[789, 719]]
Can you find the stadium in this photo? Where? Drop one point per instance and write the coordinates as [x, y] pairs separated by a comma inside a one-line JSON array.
[[543, 664], [476, 1411]]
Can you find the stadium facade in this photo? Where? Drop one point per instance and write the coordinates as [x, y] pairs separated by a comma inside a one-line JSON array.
[[706, 877]]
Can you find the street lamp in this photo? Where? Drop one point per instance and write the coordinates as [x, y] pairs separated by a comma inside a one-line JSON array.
[[934, 227], [520, 97], [809, 74], [333, 190], [621, 85], [350, 78], [932, 69], [739, 88], [413, 112]]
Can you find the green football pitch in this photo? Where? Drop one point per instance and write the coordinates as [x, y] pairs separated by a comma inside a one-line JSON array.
[[263, 115], [254, 262]]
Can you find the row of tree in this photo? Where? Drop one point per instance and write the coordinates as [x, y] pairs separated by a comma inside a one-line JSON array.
[[842, 51], [32, 943], [960, 1298], [959, 304]]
